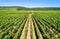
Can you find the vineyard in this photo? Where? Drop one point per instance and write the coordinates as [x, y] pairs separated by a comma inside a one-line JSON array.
[[29, 24]]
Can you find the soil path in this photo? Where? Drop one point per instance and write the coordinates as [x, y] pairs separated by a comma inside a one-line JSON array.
[[28, 33], [29, 24], [33, 30], [22, 35]]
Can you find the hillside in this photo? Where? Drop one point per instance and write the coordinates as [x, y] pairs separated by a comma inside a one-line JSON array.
[[26, 8]]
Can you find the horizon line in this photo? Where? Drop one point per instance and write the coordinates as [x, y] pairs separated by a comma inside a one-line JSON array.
[[30, 6]]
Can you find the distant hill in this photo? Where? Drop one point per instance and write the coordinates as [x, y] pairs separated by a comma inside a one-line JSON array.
[[47, 8], [25, 8]]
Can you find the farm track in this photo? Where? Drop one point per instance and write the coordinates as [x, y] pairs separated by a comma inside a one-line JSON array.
[[29, 24], [28, 33], [33, 30], [26, 25]]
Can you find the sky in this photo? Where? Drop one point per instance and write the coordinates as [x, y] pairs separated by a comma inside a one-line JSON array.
[[31, 3]]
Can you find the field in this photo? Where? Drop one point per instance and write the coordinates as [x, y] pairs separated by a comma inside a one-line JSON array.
[[29, 24]]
